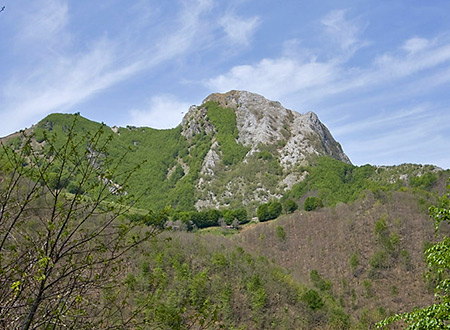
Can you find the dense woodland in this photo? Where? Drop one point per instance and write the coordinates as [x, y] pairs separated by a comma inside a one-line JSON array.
[[87, 243]]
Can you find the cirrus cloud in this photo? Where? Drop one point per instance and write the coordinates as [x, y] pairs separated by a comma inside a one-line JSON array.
[[239, 30]]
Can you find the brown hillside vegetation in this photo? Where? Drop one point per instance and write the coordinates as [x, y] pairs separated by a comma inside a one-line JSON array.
[[188, 281], [371, 251]]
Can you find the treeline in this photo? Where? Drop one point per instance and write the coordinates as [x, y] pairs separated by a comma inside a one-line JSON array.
[[334, 181], [191, 220], [211, 218], [232, 218]]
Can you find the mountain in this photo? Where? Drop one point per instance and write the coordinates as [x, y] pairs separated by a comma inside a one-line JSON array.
[[271, 144], [236, 149], [261, 122]]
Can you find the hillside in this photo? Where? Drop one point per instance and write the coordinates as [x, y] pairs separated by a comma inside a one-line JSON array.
[[190, 278], [364, 259], [370, 250]]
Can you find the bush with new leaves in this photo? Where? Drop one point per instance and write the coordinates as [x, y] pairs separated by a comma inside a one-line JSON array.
[[269, 211], [312, 203]]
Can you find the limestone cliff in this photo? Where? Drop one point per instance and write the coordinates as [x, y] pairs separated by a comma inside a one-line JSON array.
[[291, 138], [261, 121]]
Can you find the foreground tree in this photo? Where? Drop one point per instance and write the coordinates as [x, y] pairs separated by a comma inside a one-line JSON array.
[[436, 316], [63, 236]]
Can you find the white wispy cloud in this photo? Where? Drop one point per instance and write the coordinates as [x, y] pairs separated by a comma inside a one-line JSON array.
[[376, 97], [392, 118], [43, 23], [164, 111], [400, 144], [294, 72], [314, 80], [415, 45], [346, 33], [188, 31], [238, 29], [392, 69], [409, 134], [55, 81], [63, 83], [275, 78], [418, 58]]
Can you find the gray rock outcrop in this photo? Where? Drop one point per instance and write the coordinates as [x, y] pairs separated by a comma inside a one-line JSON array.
[[294, 139]]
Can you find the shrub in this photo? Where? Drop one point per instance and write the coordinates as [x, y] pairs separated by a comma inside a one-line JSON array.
[[269, 211], [312, 203], [380, 227], [290, 206], [379, 260], [394, 290], [339, 319], [318, 281], [368, 287], [256, 293], [281, 234], [265, 155], [313, 299], [354, 261]]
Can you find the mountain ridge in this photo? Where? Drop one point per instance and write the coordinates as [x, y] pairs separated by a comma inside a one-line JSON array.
[[236, 149]]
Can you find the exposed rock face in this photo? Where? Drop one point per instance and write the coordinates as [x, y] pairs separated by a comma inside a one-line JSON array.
[[260, 122], [211, 160], [194, 122], [258, 119]]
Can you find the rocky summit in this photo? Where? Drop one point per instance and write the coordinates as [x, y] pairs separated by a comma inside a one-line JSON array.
[[263, 122], [271, 133]]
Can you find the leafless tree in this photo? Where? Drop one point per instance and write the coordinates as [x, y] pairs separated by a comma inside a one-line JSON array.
[[61, 249]]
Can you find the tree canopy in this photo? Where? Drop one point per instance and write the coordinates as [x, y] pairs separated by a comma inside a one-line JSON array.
[[269, 211]]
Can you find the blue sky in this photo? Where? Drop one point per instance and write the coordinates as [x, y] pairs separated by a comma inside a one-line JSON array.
[[377, 73]]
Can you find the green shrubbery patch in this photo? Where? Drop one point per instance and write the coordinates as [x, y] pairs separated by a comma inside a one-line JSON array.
[[269, 211], [224, 120]]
